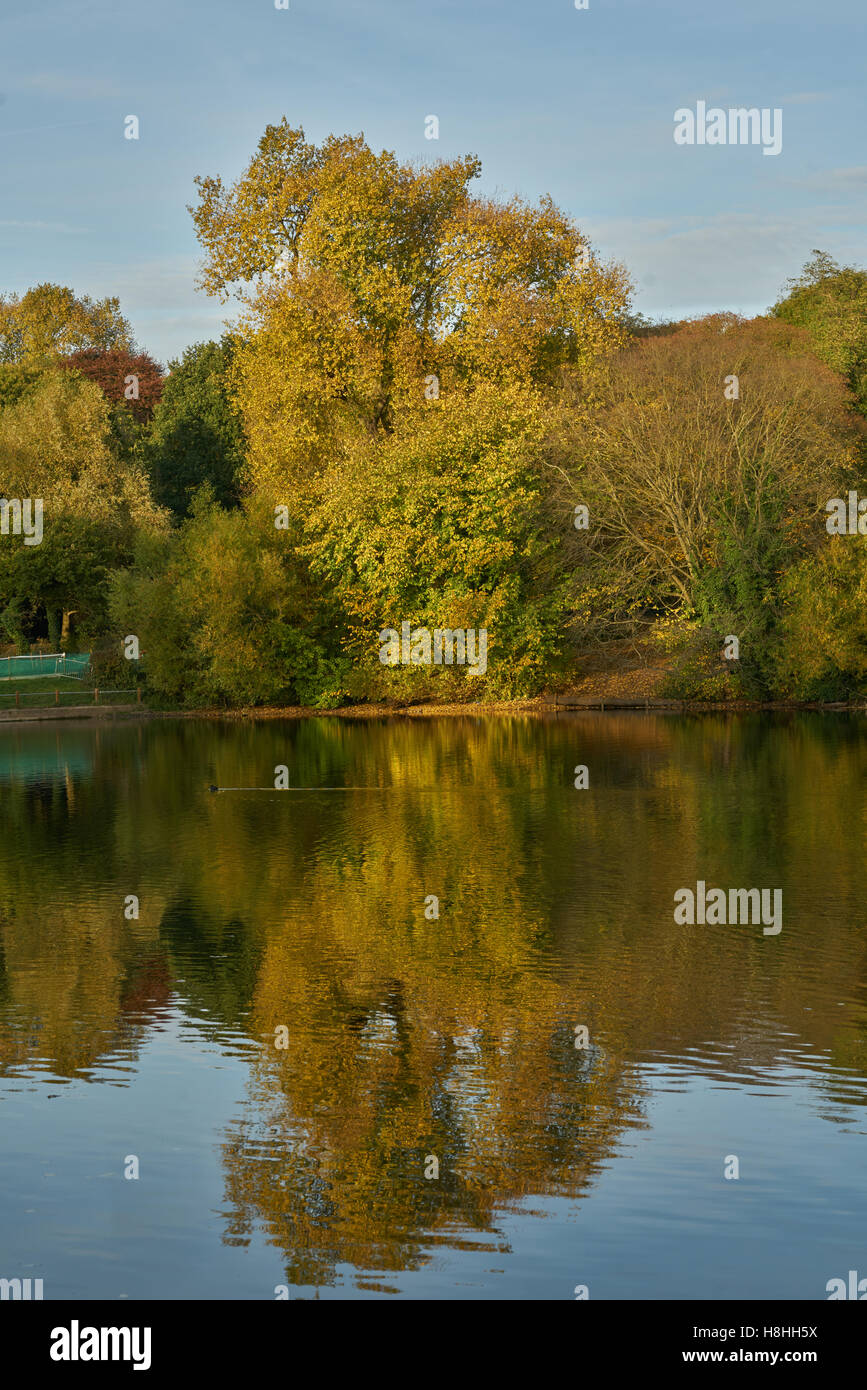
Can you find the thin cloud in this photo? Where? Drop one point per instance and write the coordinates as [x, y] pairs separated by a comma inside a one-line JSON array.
[[74, 86], [55, 125], [835, 180], [732, 260], [36, 226], [804, 98]]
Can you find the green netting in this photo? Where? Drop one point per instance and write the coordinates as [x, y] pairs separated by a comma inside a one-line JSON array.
[[58, 664]]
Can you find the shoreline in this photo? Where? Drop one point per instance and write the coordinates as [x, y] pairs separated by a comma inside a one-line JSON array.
[[539, 707]]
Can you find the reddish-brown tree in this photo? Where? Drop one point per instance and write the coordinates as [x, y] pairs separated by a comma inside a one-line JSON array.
[[135, 379]]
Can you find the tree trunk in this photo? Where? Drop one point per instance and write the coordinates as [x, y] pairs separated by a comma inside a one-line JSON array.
[[66, 628]]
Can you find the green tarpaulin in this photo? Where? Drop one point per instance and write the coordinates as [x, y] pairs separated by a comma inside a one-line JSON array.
[[58, 664]]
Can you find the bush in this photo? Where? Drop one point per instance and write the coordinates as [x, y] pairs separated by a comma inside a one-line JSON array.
[[700, 673], [225, 614], [823, 654], [110, 670]]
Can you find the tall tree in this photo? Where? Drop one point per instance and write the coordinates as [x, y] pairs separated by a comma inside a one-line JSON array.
[[705, 461], [369, 282]]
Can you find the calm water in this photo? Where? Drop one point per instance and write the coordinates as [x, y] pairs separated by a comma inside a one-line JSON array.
[[410, 1038]]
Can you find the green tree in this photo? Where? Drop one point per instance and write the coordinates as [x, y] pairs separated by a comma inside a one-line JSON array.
[[830, 302], [224, 612], [447, 525], [196, 435], [823, 653], [16, 381]]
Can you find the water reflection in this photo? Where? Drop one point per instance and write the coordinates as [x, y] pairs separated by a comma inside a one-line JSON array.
[[271, 917]]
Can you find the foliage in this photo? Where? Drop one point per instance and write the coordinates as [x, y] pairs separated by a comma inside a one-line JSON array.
[[699, 672], [111, 370], [51, 321], [426, 386], [196, 437], [55, 445], [224, 614], [830, 303], [447, 526], [365, 278], [824, 639], [16, 381], [698, 500]]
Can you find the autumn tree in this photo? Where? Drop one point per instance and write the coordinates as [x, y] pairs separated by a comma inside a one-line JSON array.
[[368, 282], [830, 302], [51, 321], [705, 463], [17, 381], [824, 632], [448, 525], [225, 613], [399, 343], [56, 446], [132, 380]]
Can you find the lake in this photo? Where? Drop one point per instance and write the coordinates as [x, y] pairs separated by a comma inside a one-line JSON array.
[[436, 1033]]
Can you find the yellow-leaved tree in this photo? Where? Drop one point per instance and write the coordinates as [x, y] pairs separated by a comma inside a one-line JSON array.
[[372, 286], [51, 321]]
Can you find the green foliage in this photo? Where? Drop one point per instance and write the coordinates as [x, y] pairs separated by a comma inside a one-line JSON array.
[[110, 670], [447, 526], [225, 614], [449, 508], [196, 437], [737, 592], [700, 673], [16, 381], [830, 302], [824, 637]]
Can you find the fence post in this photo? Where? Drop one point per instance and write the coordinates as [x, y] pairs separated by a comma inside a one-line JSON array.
[[57, 697], [138, 694], [95, 696], [16, 699]]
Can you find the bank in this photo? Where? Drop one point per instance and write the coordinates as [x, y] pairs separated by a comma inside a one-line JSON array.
[[537, 706]]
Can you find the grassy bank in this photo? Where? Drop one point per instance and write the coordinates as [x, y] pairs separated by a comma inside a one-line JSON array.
[[40, 692]]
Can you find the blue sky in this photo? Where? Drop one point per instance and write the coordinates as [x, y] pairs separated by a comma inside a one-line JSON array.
[[578, 103]]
